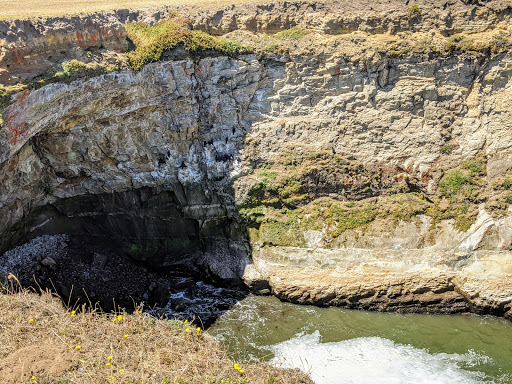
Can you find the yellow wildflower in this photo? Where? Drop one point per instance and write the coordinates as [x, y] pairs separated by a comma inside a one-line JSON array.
[[78, 347], [109, 357], [198, 329], [187, 330], [121, 370], [33, 378], [241, 371], [125, 336], [31, 320], [236, 366], [73, 313], [119, 317], [185, 322], [108, 364], [112, 378]]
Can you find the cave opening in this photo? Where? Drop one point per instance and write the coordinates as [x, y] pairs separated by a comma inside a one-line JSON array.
[[122, 249]]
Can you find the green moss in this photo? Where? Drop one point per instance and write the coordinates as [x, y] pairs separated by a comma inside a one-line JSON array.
[[452, 43], [272, 189], [152, 41], [281, 233], [447, 149], [336, 216], [474, 165], [399, 52], [268, 174], [403, 206], [285, 227], [462, 43], [273, 48], [6, 92], [463, 214], [253, 215], [294, 33]]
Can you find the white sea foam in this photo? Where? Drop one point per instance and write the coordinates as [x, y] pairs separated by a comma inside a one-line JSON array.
[[374, 360]]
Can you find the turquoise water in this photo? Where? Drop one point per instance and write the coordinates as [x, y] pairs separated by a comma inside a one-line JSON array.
[[346, 346]]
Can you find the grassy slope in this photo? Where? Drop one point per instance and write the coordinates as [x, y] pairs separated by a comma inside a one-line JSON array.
[[142, 349], [33, 8]]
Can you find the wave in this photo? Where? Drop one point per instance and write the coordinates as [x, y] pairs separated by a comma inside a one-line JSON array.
[[376, 360]]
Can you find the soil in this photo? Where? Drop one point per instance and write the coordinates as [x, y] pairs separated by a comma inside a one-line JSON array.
[[37, 361]]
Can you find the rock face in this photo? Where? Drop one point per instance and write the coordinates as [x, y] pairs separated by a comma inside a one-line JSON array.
[[158, 133], [379, 183]]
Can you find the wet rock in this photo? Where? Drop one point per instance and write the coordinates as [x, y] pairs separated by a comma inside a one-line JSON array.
[[255, 281]]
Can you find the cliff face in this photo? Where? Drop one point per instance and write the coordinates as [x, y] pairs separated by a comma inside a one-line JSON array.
[[350, 175], [172, 129]]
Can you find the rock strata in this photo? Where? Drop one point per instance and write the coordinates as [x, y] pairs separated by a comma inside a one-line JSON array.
[[378, 180]]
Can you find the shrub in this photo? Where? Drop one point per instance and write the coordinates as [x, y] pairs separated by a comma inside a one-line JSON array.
[[454, 182]]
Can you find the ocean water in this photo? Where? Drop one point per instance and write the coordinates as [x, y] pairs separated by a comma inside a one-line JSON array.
[[345, 346]]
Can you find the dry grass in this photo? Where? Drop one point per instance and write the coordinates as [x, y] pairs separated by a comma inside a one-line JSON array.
[[142, 349], [33, 8]]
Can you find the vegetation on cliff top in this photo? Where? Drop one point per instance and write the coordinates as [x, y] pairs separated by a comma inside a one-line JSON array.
[[41, 342], [152, 40]]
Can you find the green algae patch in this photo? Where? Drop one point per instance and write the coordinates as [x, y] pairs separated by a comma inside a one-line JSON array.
[[278, 233], [285, 227], [461, 191], [336, 217], [152, 40]]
